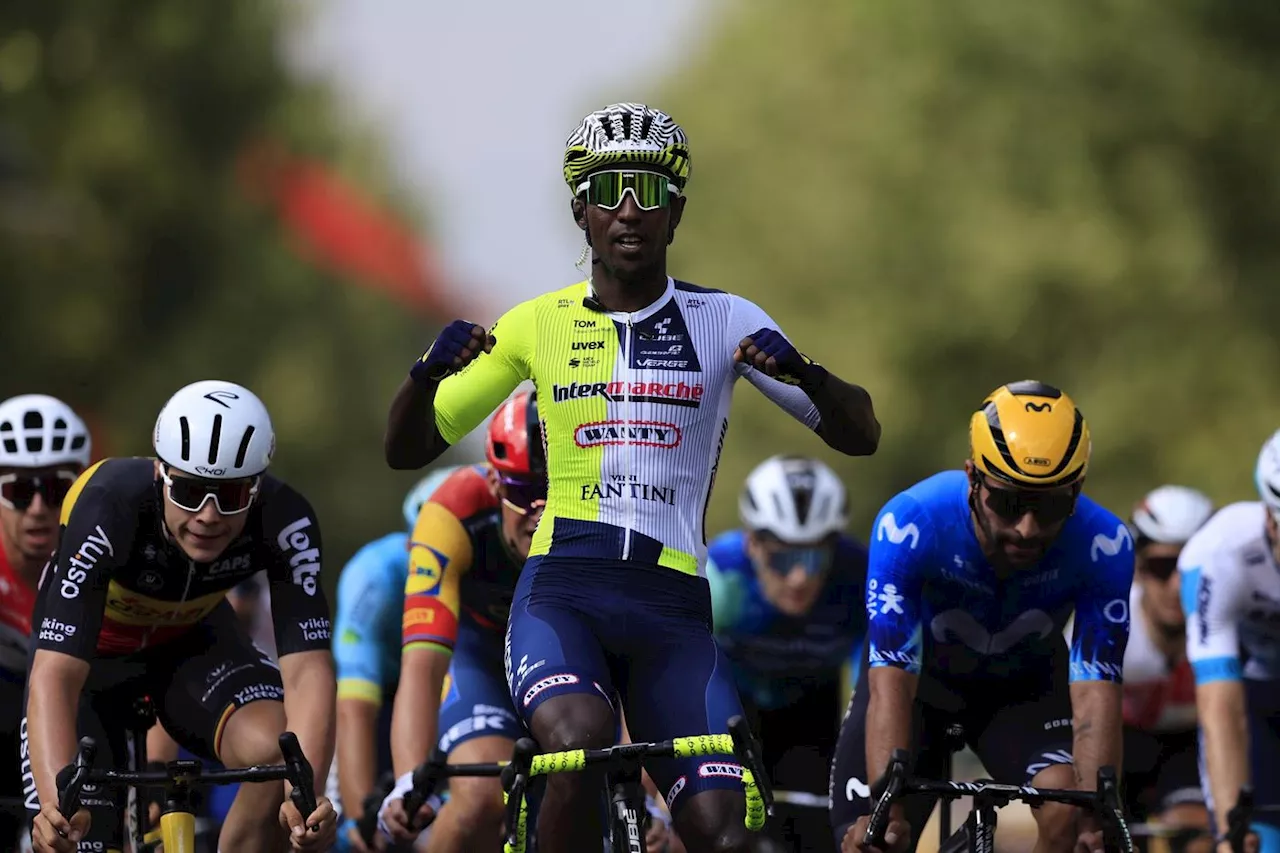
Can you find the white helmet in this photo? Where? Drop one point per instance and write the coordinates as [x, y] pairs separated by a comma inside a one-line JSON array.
[[794, 498], [215, 429], [422, 492], [1268, 473], [1171, 514], [39, 431]]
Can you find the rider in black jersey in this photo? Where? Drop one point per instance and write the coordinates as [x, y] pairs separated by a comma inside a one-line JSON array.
[[135, 604]]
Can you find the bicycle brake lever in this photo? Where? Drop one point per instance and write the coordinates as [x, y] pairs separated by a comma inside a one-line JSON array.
[[748, 752], [1112, 809], [70, 779], [301, 776], [426, 776], [890, 786]]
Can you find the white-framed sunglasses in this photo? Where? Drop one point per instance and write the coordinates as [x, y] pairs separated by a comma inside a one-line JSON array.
[[230, 497], [649, 190]]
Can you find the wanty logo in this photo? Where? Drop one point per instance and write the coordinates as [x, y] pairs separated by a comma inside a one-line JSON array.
[[646, 433], [85, 558], [1111, 545], [306, 562], [897, 535], [719, 768], [547, 683]]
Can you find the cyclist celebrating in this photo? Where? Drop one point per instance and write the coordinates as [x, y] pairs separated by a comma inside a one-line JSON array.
[[468, 545], [634, 372], [366, 650], [1160, 735], [972, 577], [782, 592], [43, 448], [135, 604], [1231, 596]]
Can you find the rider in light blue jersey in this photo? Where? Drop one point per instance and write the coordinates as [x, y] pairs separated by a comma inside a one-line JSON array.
[[366, 650], [786, 596], [972, 577]]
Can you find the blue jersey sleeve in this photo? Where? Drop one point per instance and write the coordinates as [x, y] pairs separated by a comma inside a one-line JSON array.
[[728, 586], [1102, 602], [901, 549], [369, 598]]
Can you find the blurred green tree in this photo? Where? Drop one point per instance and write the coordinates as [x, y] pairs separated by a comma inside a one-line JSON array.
[[936, 198], [134, 261]]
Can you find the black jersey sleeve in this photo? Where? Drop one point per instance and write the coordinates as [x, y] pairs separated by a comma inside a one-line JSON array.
[[299, 609], [97, 534]]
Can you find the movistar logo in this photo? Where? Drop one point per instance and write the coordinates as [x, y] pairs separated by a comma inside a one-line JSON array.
[[1038, 407], [897, 535], [1110, 545]]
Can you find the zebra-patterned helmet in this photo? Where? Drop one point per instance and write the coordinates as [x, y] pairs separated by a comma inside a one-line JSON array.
[[626, 133]]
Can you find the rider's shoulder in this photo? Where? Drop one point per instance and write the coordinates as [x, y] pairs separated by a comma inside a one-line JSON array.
[[282, 508], [729, 551], [122, 479], [465, 493], [930, 494], [381, 553], [1235, 534]]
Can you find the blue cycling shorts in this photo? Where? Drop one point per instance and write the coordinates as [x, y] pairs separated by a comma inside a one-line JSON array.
[[476, 702], [638, 631]]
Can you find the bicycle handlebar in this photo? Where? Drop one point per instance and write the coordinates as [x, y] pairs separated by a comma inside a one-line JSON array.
[[1238, 819], [296, 769], [367, 825], [1105, 802]]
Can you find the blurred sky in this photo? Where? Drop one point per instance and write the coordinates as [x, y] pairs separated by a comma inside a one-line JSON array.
[[474, 101]]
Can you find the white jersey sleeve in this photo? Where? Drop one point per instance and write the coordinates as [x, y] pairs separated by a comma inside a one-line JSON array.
[[1214, 597], [746, 318]]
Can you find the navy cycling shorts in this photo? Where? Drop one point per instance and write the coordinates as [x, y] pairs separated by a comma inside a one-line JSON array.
[[476, 701], [640, 631], [1262, 703]]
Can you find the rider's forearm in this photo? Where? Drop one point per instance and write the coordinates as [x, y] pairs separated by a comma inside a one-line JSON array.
[[412, 439], [849, 422], [1226, 743], [357, 752], [888, 717], [53, 697], [310, 688], [1096, 712], [415, 722]]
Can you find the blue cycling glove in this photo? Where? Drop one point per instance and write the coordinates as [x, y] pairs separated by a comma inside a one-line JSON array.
[[794, 368], [457, 341]]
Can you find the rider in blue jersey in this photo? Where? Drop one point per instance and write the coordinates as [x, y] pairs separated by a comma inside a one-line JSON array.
[[972, 577], [783, 590], [366, 649]]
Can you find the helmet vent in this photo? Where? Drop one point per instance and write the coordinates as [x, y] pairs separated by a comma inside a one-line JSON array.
[[244, 447], [185, 426], [215, 439]]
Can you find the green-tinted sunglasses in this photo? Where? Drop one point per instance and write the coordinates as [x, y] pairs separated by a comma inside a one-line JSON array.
[[650, 190]]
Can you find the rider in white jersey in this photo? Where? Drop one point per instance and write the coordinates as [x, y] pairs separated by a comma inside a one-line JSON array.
[[1231, 594], [1161, 735]]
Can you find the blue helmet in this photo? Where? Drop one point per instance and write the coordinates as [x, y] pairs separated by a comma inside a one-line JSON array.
[[422, 492]]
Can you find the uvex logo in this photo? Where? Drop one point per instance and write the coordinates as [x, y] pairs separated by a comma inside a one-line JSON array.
[[588, 345]]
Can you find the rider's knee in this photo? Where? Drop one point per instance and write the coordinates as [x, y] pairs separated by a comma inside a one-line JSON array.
[[1056, 826], [478, 801], [710, 821], [576, 721], [251, 735]]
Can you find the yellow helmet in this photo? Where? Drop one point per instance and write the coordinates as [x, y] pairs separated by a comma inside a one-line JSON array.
[[1030, 436]]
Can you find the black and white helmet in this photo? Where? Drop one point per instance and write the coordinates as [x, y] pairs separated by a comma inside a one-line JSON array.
[[216, 430], [796, 499], [626, 133], [39, 431], [1170, 515]]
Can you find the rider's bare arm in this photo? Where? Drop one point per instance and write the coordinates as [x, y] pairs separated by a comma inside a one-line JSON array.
[[412, 440], [849, 422], [889, 714], [1224, 726], [53, 687], [310, 688], [415, 722], [1096, 729]]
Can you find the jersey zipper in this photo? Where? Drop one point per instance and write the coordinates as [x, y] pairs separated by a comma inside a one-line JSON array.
[[626, 433]]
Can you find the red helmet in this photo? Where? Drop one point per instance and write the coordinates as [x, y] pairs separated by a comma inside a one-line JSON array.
[[514, 445]]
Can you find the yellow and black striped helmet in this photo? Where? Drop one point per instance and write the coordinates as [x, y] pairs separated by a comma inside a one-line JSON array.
[[1029, 435], [627, 133]]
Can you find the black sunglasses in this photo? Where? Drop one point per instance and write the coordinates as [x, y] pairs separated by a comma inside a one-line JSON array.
[[18, 490], [1046, 507]]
